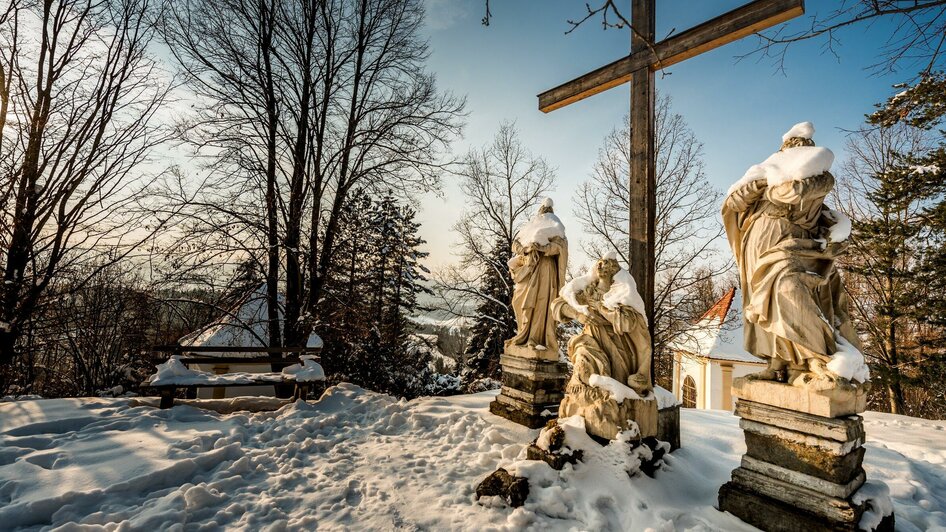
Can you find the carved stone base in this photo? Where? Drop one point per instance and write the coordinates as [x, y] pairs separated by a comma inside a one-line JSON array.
[[774, 515], [844, 400], [800, 471], [605, 418], [532, 389], [668, 426]]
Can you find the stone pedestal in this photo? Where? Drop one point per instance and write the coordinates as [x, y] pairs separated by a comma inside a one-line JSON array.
[[802, 466], [668, 426], [533, 386]]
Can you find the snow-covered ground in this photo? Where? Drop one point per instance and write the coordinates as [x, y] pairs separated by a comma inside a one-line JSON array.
[[360, 460]]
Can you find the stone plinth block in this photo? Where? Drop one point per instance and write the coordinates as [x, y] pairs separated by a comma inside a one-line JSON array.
[[843, 429], [801, 471], [841, 401], [807, 459], [605, 418], [774, 515], [549, 355], [532, 388], [668, 426]]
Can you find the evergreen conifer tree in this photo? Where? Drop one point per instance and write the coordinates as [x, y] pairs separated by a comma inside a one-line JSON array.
[[900, 249], [494, 321], [376, 280]]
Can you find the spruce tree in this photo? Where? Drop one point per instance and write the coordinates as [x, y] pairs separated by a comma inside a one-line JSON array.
[[376, 279], [885, 248], [904, 246], [494, 321]]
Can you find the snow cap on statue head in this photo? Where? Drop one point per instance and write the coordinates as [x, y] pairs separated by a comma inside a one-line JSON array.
[[799, 135], [608, 265], [546, 206]]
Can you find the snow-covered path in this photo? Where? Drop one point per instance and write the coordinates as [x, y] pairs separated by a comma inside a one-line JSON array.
[[359, 460]]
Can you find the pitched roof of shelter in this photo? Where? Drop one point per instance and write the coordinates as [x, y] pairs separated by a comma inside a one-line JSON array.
[[720, 309], [244, 325]]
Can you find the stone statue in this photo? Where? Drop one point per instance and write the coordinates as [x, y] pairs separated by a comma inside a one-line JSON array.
[[785, 241], [614, 345], [540, 256]]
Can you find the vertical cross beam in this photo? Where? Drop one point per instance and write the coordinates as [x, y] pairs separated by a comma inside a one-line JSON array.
[[643, 188]]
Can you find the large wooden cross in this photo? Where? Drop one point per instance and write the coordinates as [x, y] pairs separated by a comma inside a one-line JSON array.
[[638, 69]]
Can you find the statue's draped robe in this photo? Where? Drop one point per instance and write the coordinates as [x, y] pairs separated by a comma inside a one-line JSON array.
[[538, 276], [793, 299], [618, 349]]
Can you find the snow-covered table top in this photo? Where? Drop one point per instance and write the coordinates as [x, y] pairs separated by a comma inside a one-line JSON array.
[[175, 373]]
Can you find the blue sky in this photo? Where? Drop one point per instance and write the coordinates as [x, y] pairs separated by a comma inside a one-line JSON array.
[[738, 109]]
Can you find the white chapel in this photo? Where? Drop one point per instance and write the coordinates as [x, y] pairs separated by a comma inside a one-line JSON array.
[[710, 354]]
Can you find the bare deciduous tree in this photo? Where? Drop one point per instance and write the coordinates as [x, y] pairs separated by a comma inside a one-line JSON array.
[[502, 183], [916, 39], [226, 51], [332, 97], [687, 221], [79, 95]]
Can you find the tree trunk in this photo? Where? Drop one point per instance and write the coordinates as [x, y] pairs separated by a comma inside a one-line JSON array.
[[894, 390], [296, 332], [272, 223]]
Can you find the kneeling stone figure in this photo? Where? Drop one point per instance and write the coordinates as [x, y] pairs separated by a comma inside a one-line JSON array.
[[610, 386]]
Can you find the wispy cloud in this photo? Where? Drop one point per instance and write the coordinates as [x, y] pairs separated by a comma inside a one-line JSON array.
[[444, 14]]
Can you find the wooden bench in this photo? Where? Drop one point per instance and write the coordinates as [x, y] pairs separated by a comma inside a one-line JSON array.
[[167, 392]]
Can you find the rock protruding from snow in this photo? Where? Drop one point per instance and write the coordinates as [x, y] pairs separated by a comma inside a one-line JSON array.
[[513, 490], [804, 130]]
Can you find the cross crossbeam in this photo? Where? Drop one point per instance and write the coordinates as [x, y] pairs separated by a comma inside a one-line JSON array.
[[728, 27]]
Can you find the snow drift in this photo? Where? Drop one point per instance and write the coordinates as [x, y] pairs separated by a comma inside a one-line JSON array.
[[361, 460]]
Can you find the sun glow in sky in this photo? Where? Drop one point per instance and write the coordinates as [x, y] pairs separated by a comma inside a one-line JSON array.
[[737, 108]]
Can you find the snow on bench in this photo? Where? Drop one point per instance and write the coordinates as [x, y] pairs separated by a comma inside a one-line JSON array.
[[175, 374]]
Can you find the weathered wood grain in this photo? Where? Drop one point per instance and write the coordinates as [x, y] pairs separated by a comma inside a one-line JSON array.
[[643, 187]]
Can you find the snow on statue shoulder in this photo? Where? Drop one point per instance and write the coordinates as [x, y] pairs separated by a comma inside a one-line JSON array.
[[785, 241]]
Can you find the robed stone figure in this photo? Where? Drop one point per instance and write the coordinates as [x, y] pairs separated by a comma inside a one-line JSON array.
[[615, 343], [793, 299], [540, 256]]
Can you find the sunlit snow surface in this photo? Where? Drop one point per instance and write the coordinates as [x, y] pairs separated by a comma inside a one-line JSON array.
[[360, 460]]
